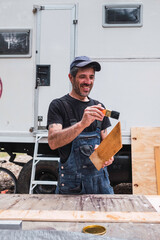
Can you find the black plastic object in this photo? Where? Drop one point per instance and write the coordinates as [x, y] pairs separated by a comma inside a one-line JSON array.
[[115, 114], [43, 75]]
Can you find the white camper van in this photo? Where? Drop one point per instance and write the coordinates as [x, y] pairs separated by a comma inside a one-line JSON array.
[[39, 39]]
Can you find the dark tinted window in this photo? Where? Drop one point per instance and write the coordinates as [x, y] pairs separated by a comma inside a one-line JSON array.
[[120, 16], [129, 15], [14, 43]]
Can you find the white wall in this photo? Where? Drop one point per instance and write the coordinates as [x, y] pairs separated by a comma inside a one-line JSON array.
[[130, 58]]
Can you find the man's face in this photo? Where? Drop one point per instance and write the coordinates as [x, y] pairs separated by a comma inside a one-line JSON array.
[[83, 82]]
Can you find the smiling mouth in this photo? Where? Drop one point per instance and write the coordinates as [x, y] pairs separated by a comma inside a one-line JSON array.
[[87, 86]]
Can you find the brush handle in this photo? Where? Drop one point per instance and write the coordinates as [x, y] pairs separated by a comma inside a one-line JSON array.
[[112, 114]]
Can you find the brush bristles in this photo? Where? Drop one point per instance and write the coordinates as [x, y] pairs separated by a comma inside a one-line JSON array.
[[115, 114]]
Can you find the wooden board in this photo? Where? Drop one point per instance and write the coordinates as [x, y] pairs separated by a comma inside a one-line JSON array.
[[79, 216], [88, 202], [121, 215], [108, 147], [157, 159], [131, 208], [143, 159]]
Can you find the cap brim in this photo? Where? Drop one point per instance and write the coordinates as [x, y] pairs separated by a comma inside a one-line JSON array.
[[96, 65]]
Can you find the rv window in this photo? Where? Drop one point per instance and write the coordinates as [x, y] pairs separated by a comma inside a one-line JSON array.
[[14, 43], [114, 16]]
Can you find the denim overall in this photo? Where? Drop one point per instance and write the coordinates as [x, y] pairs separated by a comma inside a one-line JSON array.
[[78, 175]]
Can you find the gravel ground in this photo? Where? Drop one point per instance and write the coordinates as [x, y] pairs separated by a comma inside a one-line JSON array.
[[7, 184], [15, 169]]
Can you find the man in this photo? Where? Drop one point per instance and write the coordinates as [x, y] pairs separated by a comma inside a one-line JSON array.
[[76, 126]]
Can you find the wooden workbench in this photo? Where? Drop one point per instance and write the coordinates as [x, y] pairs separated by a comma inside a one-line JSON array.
[[129, 216]]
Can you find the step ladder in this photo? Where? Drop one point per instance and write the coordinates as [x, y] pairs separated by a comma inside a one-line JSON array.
[[40, 137]]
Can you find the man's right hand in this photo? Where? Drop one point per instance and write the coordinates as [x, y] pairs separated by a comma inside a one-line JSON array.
[[91, 114]]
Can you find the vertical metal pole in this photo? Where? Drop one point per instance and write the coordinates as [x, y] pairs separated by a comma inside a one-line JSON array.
[[73, 34], [37, 61]]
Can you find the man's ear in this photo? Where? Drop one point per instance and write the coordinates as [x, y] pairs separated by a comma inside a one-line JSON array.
[[70, 77]]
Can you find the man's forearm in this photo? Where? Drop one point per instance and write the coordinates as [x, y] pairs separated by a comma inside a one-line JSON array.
[[61, 137], [58, 137]]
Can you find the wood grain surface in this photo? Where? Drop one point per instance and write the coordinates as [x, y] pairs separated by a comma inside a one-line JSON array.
[[79, 216], [85, 208], [108, 147], [157, 159], [92, 202], [144, 178], [124, 216]]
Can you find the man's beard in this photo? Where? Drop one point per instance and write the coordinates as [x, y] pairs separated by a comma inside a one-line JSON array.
[[77, 90]]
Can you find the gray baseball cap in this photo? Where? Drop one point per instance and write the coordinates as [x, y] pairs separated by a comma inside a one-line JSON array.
[[83, 61]]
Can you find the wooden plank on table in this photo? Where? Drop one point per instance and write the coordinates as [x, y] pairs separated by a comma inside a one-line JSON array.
[[108, 147], [157, 159], [86, 202], [143, 140], [79, 216]]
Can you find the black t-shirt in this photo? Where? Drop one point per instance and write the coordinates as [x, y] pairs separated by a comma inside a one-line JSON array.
[[59, 113]]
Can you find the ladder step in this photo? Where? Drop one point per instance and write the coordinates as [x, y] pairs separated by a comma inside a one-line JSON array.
[[44, 182], [47, 158]]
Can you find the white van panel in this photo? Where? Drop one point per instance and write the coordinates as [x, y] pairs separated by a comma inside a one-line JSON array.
[[130, 58], [132, 88]]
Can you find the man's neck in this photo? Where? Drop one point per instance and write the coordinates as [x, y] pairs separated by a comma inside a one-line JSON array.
[[80, 98]]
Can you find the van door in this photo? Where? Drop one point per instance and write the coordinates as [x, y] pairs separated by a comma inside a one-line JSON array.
[[56, 41]]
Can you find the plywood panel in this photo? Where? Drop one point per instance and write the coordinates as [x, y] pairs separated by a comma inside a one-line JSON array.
[[79, 216], [108, 147], [157, 159], [143, 159]]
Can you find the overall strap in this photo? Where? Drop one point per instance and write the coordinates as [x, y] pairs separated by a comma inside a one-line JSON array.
[[69, 112], [99, 123], [71, 116]]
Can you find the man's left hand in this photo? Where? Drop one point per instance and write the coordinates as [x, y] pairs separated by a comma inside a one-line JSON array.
[[109, 162]]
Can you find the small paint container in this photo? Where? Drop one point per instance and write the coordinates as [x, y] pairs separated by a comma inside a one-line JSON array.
[[94, 229]]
